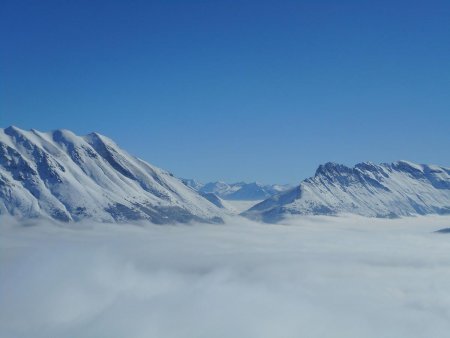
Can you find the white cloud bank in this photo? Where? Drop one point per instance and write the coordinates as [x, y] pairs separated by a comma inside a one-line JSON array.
[[317, 277]]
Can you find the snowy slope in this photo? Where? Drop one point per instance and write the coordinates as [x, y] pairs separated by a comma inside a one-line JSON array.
[[386, 190], [240, 191], [68, 177]]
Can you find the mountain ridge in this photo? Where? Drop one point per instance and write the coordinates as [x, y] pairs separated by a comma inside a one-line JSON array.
[[245, 191], [400, 188], [60, 175]]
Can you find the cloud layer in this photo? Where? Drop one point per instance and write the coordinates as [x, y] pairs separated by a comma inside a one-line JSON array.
[[311, 277]]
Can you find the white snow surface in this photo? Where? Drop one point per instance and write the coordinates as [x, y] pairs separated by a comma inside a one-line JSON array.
[[312, 276], [387, 190], [68, 177]]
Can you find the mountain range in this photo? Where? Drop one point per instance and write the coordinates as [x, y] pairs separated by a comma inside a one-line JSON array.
[[67, 177], [387, 190], [241, 191]]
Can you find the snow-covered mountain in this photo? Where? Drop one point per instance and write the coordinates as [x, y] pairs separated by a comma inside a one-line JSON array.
[[237, 191], [68, 177], [386, 190]]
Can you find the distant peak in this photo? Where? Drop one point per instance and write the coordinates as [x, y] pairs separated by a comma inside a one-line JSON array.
[[96, 137], [367, 163], [62, 132], [218, 183], [404, 162], [407, 166], [64, 136], [13, 129], [331, 167], [17, 133], [94, 134]]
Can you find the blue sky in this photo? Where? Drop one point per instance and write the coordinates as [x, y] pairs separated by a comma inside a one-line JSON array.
[[235, 90]]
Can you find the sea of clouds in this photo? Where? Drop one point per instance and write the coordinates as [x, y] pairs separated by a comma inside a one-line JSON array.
[[309, 277]]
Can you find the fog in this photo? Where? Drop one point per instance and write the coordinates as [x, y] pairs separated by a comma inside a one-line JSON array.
[[309, 277]]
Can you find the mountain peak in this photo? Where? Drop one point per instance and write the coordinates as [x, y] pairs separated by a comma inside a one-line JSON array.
[[69, 178], [94, 134], [407, 165], [331, 168], [401, 188], [13, 130]]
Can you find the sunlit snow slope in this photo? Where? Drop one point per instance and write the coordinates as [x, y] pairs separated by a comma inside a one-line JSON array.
[[386, 190], [68, 177]]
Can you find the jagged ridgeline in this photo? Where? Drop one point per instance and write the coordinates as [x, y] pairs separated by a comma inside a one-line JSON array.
[[69, 178], [386, 190]]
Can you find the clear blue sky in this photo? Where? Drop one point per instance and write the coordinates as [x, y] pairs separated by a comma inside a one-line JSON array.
[[235, 90]]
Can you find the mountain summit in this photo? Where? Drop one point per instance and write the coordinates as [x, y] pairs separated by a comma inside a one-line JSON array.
[[69, 178], [387, 190]]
